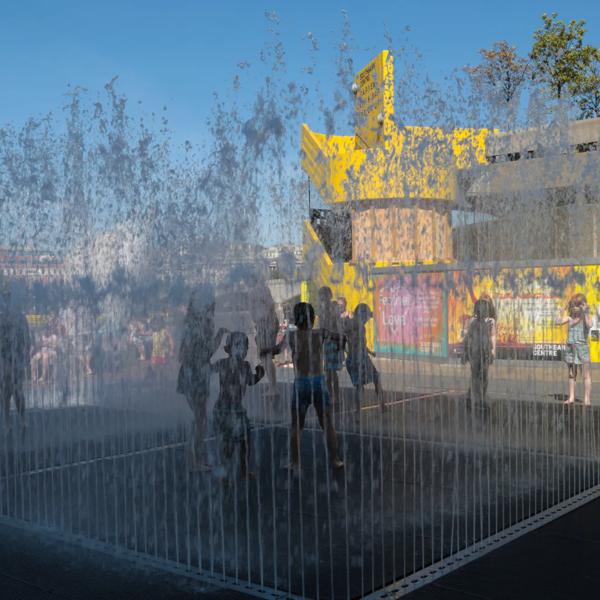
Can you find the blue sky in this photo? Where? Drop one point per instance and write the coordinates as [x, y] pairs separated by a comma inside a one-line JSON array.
[[176, 53]]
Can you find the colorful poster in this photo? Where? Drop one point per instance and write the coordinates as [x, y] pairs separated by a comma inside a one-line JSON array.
[[410, 314], [527, 302], [427, 314]]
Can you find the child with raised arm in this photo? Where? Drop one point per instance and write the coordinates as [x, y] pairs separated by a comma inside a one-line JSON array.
[[358, 361], [306, 345], [230, 419], [577, 354], [199, 343]]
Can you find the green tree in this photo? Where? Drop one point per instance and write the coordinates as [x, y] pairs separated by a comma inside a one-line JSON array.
[[587, 92], [560, 58], [501, 70]]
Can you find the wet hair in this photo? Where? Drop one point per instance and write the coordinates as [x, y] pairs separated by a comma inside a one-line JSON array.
[[363, 312], [484, 308], [304, 315], [490, 305], [231, 340], [574, 305]]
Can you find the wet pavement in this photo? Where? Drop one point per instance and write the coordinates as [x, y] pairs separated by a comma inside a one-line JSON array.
[[34, 566], [424, 479], [556, 562]]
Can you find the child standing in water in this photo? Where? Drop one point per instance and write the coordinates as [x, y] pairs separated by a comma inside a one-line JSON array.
[[229, 417], [577, 354], [358, 361], [137, 335], [197, 346], [306, 345], [328, 313], [480, 347]]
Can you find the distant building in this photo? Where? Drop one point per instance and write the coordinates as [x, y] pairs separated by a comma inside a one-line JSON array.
[[31, 265], [284, 261], [539, 191]]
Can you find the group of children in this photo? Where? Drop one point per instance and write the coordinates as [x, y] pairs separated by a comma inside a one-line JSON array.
[[349, 347], [317, 356]]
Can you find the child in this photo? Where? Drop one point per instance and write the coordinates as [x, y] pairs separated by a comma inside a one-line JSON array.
[[137, 333], [343, 308], [480, 347], [328, 312], [162, 342], [358, 362], [15, 350], [47, 355], [577, 354], [230, 418], [306, 345], [197, 346]]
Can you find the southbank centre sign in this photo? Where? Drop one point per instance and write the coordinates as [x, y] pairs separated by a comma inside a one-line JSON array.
[[427, 313]]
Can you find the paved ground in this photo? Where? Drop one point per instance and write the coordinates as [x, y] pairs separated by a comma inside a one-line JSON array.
[[556, 562], [35, 567], [425, 480], [514, 379]]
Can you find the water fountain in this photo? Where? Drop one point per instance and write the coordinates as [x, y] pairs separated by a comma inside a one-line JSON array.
[[420, 221]]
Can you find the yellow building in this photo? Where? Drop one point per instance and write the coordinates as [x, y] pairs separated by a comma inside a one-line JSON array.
[[394, 186], [387, 239]]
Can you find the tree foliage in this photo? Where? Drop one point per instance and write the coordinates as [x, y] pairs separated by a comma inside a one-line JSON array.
[[560, 59], [587, 92], [501, 70]]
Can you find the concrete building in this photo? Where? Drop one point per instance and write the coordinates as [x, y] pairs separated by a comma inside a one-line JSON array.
[[539, 192], [31, 265]]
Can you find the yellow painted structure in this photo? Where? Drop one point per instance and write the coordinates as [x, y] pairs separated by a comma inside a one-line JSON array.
[[373, 89], [413, 163], [347, 280], [399, 184]]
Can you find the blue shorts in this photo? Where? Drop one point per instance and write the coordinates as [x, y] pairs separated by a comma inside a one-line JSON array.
[[310, 390], [333, 356]]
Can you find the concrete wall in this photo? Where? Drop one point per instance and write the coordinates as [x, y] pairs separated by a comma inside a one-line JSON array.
[[550, 233]]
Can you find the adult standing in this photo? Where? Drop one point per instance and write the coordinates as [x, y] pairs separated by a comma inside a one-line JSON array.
[[262, 311], [15, 350], [197, 346]]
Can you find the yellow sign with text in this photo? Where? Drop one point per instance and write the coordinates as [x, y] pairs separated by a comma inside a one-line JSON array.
[[374, 101]]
